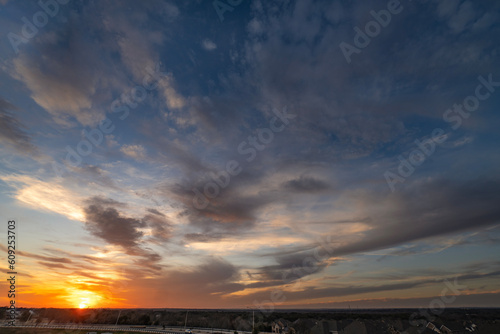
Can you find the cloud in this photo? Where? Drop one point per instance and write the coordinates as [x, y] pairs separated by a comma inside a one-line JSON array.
[[484, 22], [173, 99], [47, 259], [12, 132], [292, 267], [45, 196], [93, 174], [447, 8], [255, 27], [107, 223], [136, 152], [230, 212], [53, 265], [208, 45], [73, 75], [103, 220], [199, 285], [203, 237], [160, 226], [139, 47], [462, 17], [171, 10], [111, 141], [62, 81], [464, 300], [155, 212], [215, 273], [341, 290], [427, 209], [306, 184]]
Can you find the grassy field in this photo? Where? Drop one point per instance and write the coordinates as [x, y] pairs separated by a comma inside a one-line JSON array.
[[54, 331]]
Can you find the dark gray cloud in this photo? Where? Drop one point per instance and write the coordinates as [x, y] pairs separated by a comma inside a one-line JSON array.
[[312, 293], [12, 132], [348, 290], [432, 208], [292, 267], [104, 201], [103, 220], [155, 212], [230, 212], [216, 276], [108, 224], [160, 226], [306, 184]]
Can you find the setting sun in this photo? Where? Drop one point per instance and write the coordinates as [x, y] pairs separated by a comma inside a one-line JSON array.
[[84, 303], [84, 298]]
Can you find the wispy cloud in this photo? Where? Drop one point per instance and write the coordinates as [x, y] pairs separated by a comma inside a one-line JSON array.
[[12, 132]]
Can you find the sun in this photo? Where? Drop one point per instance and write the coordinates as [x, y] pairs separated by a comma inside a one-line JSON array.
[[84, 299], [84, 303]]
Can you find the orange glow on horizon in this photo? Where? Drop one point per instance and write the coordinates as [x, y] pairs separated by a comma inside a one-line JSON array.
[[84, 299]]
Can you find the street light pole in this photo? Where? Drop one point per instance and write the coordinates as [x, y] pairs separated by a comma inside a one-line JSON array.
[[253, 321], [31, 313], [185, 321], [118, 317]]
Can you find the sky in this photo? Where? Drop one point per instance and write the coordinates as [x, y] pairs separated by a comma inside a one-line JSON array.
[[251, 154]]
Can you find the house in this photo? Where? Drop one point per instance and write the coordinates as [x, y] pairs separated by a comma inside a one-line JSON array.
[[355, 327], [433, 327], [326, 327], [445, 329], [282, 326], [304, 325]]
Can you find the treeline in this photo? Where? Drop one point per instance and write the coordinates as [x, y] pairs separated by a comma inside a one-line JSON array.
[[196, 318], [231, 319]]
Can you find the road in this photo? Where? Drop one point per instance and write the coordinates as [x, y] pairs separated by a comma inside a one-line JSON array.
[[135, 328]]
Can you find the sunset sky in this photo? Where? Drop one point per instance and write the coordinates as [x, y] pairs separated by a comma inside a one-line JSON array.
[[231, 154]]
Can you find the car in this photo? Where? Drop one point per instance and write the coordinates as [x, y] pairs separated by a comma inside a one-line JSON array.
[[188, 331]]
